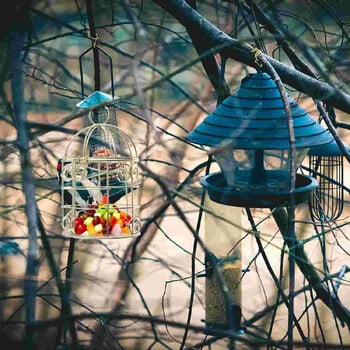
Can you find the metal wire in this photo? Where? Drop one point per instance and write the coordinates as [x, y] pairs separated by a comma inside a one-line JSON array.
[[108, 136], [109, 58]]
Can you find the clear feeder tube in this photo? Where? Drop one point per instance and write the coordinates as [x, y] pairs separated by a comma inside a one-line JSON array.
[[222, 238]]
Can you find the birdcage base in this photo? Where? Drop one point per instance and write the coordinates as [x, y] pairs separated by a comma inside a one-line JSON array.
[[100, 221], [69, 234], [220, 192]]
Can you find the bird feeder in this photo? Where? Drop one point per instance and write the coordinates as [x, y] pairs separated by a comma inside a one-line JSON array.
[[249, 138], [326, 164], [99, 179]]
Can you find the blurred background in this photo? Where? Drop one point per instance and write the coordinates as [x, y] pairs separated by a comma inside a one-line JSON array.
[[164, 92]]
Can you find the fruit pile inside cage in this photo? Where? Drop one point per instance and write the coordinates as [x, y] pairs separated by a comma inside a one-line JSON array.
[[99, 180]]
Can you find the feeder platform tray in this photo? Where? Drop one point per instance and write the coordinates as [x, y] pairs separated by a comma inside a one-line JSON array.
[[220, 192]]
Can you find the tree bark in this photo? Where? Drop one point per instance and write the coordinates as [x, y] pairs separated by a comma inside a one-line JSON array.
[[17, 43]]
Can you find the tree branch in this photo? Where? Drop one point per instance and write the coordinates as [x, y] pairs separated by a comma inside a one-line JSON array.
[[214, 37], [18, 40], [304, 264]]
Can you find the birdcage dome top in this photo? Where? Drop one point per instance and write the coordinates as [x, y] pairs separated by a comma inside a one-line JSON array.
[[101, 140]]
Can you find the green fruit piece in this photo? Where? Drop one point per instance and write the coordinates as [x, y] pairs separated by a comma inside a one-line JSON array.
[[101, 211], [88, 220], [116, 214], [99, 228]]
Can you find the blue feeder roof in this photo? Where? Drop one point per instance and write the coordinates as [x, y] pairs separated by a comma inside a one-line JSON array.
[[94, 99], [330, 149], [253, 117]]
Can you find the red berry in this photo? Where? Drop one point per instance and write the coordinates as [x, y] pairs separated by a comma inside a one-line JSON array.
[[91, 210], [127, 219], [104, 199], [112, 220], [80, 228], [96, 220], [79, 220]]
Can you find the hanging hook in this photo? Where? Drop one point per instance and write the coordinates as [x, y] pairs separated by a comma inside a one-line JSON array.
[[93, 40], [257, 56]]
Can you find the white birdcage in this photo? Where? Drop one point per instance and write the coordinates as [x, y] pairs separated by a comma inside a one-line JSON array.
[[100, 184]]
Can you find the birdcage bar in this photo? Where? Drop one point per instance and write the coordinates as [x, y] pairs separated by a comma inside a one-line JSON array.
[[327, 201]]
